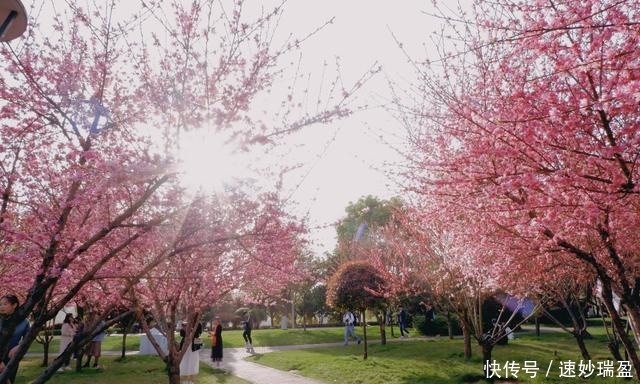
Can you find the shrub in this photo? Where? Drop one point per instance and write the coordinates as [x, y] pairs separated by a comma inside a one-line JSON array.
[[438, 326]]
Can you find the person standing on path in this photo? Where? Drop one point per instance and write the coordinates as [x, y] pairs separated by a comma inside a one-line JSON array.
[[348, 319], [216, 342], [402, 322], [246, 334]]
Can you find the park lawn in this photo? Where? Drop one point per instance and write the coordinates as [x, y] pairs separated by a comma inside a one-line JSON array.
[[110, 343], [132, 370], [433, 361], [233, 338], [297, 336]]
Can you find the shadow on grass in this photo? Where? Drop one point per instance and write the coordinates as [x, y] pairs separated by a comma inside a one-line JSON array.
[[220, 375]]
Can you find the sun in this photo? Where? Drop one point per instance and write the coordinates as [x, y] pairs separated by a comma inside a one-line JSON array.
[[208, 161]]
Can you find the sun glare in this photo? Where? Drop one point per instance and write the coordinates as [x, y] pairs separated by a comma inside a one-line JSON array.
[[208, 161]]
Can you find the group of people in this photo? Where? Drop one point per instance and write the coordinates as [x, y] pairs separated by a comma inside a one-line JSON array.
[[72, 330], [189, 365], [349, 321]]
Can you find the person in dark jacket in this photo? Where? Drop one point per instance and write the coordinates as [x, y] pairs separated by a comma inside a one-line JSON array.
[[246, 334], [8, 306], [216, 342], [402, 322]]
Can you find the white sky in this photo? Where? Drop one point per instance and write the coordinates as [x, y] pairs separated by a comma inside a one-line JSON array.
[[340, 162], [360, 35]]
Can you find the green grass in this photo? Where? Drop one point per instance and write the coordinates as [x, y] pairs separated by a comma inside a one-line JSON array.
[[132, 370], [275, 337], [233, 338], [110, 343], [433, 361]]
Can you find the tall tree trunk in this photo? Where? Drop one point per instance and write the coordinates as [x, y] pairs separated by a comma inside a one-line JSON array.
[[173, 369], [79, 359], [449, 326], [124, 344], [383, 331], [487, 348], [538, 326], [466, 335], [45, 357], [614, 348], [616, 321], [583, 348], [633, 313], [364, 333]]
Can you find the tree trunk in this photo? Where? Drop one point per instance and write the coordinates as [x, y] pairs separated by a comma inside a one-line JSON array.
[[538, 326], [466, 335], [45, 357], [173, 370], [583, 348], [618, 327], [383, 331], [79, 361], [614, 348], [634, 319], [48, 372], [449, 326], [487, 348], [364, 332], [124, 344]]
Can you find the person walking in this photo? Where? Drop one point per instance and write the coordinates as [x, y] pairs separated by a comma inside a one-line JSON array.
[[349, 320], [402, 322], [216, 342]]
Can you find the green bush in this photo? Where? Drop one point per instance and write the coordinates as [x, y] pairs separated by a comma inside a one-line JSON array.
[[437, 326]]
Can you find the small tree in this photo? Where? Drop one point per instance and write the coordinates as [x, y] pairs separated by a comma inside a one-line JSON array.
[[359, 285], [44, 337]]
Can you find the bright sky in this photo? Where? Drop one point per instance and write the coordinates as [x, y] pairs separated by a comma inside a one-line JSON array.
[[341, 163], [360, 35]]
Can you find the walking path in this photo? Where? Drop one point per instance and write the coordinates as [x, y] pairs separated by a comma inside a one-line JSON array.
[[235, 364]]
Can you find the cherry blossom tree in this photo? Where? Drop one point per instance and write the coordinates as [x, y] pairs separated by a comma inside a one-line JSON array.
[[359, 285], [229, 241], [82, 179], [424, 254], [529, 124]]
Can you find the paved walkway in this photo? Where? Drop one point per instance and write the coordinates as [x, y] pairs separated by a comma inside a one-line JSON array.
[[235, 364]]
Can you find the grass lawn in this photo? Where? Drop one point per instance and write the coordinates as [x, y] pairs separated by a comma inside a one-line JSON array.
[[132, 370], [110, 343], [434, 361], [233, 338], [275, 337]]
